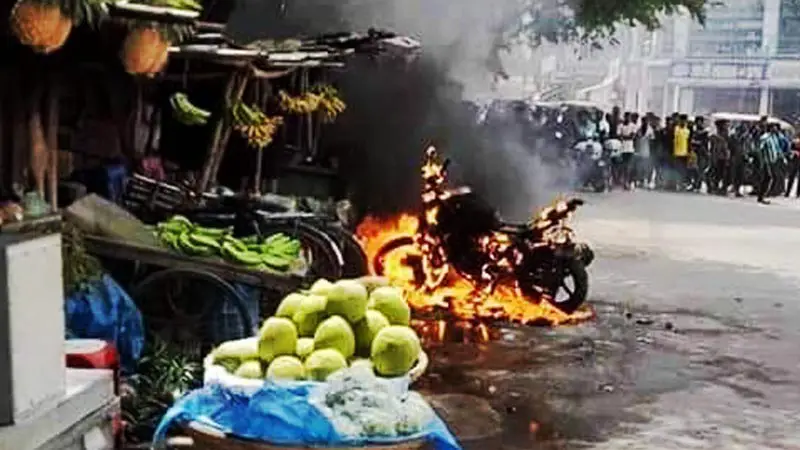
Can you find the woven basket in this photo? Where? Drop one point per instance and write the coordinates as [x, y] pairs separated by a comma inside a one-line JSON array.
[[205, 438]]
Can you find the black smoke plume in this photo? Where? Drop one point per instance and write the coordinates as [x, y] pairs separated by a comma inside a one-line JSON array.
[[396, 109]]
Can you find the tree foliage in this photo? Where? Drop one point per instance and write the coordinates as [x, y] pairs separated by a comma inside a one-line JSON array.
[[592, 21]]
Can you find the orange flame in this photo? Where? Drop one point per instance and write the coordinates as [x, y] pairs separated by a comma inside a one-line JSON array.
[[445, 290]]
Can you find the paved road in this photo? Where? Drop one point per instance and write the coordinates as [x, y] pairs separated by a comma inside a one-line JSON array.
[[695, 345], [726, 273]]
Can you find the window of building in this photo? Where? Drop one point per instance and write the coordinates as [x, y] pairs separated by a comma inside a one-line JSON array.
[[789, 31], [707, 100], [785, 103], [732, 28]]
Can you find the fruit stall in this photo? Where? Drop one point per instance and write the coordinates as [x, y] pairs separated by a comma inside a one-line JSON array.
[[111, 99], [339, 359]]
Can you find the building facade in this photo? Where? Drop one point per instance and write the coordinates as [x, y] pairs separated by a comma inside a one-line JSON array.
[[745, 59]]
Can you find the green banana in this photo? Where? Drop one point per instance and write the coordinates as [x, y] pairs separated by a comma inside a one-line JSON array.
[[179, 113], [249, 116], [185, 243], [249, 258], [242, 257], [194, 111], [204, 241], [186, 112], [169, 239], [171, 227], [275, 262], [216, 233], [180, 219], [236, 244], [250, 240], [277, 239], [274, 254]]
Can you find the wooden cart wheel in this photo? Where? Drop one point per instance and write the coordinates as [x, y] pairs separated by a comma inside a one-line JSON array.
[[181, 306]]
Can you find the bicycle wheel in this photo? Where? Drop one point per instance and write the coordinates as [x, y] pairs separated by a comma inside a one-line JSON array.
[[355, 260], [194, 310], [320, 251]]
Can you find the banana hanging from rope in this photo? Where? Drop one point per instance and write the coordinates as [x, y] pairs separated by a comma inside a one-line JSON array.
[[303, 104], [255, 126], [323, 98], [331, 102], [185, 112]]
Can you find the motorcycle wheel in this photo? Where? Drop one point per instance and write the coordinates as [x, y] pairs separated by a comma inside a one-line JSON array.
[[379, 259], [569, 298]]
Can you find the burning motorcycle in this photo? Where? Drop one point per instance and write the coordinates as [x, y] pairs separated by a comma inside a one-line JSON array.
[[457, 232]]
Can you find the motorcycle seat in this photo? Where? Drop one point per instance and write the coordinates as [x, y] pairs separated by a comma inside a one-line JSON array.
[[513, 227]]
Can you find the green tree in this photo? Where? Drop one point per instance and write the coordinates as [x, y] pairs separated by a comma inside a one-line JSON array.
[[593, 21]]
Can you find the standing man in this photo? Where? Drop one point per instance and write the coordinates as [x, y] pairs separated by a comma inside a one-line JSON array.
[[794, 168], [612, 144], [769, 148], [603, 127], [736, 171], [644, 152], [680, 149], [666, 170], [781, 171], [614, 121], [627, 134], [720, 157], [699, 146]]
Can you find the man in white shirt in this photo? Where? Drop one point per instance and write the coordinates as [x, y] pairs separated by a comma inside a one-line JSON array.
[[627, 134]]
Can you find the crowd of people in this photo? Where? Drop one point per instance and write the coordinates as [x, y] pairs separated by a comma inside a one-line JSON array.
[[681, 153]]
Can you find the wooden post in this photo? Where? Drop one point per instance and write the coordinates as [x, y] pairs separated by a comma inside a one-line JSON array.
[[38, 146], [222, 130], [219, 139], [4, 155], [53, 96], [226, 133], [259, 162], [20, 137]]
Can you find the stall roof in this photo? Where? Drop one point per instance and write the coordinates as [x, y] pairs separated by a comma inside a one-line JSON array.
[[323, 51], [210, 43]]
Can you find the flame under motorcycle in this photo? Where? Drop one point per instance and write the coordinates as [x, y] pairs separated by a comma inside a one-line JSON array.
[[457, 230]]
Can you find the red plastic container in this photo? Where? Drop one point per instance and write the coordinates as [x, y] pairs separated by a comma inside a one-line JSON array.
[[96, 354], [93, 354]]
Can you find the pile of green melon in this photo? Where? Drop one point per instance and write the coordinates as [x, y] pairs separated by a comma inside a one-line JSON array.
[[327, 328]]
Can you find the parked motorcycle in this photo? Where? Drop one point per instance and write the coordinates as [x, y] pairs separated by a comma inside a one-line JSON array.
[[458, 231]]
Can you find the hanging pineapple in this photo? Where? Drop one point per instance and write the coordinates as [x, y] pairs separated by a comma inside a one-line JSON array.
[[144, 51], [42, 25]]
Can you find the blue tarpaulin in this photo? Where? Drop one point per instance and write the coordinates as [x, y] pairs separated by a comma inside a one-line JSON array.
[[279, 414], [103, 310]]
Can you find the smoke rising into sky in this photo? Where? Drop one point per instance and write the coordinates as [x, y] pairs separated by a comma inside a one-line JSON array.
[[395, 110]]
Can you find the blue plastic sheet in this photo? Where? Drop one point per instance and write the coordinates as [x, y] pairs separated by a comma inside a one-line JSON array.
[[103, 310], [277, 413]]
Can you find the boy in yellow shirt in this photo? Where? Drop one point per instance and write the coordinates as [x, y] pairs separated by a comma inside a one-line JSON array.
[[680, 148]]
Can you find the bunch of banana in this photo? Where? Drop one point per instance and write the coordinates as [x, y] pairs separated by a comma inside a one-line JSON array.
[[189, 5], [331, 103], [185, 112], [255, 126], [277, 253], [306, 103]]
